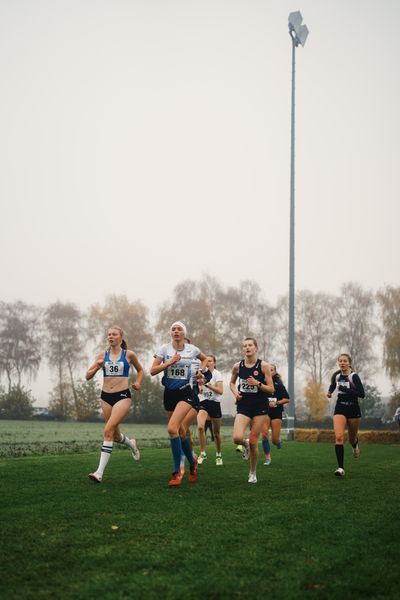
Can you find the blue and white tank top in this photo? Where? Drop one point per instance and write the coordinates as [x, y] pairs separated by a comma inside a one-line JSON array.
[[117, 368], [180, 374]]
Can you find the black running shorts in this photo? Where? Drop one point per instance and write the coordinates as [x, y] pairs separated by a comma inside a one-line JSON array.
[[115, 397], [172, 397], [351, 410], [212, 408]]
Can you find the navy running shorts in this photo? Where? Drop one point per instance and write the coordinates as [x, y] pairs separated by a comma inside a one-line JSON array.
[[351, 410], [252, 408]]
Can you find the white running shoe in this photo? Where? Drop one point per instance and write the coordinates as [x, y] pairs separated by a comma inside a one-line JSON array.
[[95, 477], [252, 477], [202, 458], [339, 472], [218, 461], [246, 451], [135, 451]]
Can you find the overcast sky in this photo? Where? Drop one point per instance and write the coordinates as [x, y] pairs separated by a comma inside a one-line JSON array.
[[143, 142]]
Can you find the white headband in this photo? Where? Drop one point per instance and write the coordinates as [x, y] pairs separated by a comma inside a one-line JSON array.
[[180, 325]]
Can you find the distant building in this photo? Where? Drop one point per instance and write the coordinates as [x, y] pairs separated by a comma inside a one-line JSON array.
[[40, 411]]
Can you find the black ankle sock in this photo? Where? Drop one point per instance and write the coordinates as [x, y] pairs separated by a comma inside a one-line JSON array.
[[339, 454], [355, 444]]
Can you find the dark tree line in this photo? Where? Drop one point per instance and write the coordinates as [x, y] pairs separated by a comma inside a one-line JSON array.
[[357, 321]]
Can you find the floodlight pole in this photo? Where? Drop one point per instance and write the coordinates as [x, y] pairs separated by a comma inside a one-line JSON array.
[[298, 34], [291, 407]]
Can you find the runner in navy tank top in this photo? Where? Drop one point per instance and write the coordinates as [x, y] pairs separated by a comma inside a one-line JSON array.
[[116, 398], [347, 410], [276, 402], [255, 382]]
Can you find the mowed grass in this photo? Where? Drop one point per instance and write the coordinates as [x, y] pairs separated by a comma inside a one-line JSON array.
[[27, 438], [298, 533]]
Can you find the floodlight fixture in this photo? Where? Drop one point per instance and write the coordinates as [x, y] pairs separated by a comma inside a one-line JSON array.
[[297, 31]]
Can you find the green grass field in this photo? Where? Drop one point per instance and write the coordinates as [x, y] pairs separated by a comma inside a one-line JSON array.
[[298, 533], [27, 438]]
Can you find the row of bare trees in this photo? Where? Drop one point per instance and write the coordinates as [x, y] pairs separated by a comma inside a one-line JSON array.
[[364, 323]]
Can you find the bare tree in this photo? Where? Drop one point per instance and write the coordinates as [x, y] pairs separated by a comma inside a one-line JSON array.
[[356, 330], [65, 345], [314, 337], [61, 404], [200, 305], [282, 333], [132, 317], [267, 331], [20, 341], [218, 319], [389, 301]]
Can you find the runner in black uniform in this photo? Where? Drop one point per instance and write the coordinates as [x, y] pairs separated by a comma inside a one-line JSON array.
[[255, 381], [276, 401], [347, 410]]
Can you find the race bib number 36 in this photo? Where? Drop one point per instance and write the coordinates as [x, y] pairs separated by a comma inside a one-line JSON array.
[[246, 388], [114, 369], [178, 372]]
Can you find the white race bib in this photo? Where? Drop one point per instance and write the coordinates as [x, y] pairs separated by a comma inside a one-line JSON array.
[[114, 369], [178, 372], [246, 388]]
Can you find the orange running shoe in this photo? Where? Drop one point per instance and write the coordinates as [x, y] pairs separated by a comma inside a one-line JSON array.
[[175, 480], [192, 477]]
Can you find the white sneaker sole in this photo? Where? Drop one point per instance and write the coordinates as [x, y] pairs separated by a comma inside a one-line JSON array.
[[339, 473], [95, 477], [135, 451]]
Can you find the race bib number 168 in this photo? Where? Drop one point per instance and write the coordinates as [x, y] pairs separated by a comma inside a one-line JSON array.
[[178, 372]]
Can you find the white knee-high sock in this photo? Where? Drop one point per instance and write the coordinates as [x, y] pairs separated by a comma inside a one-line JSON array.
[[105, 454]]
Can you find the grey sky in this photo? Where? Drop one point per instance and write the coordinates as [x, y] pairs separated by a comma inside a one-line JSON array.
[[143, 142]]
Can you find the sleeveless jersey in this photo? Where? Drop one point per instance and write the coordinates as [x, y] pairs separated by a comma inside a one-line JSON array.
[[280, 390], [208, 394], [347, 382], [353, 388], [180, 374], [279, 393], [251, 391], [118, 368]]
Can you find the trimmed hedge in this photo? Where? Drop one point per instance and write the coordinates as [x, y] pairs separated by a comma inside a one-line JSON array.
[[365, 437]]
